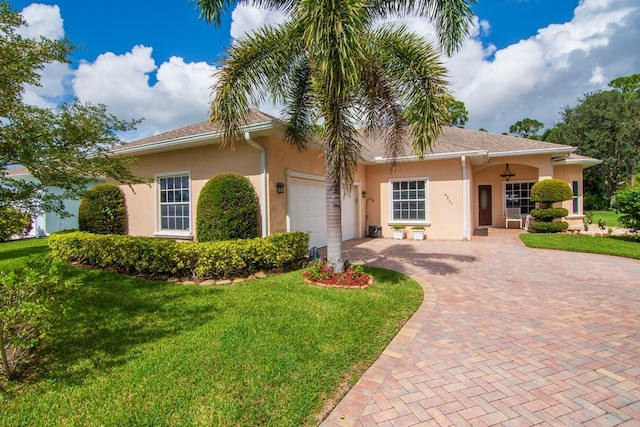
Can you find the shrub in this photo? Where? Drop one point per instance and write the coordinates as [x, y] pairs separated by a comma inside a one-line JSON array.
[[549, 227], [547, 192], [102, 210], [551, 191], [13, 222], [200, 260], [595, 203], [629, 206], [227, 209], [29, 305], [549, 214]]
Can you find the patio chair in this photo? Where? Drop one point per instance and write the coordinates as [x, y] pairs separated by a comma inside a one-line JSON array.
[[513, 215]]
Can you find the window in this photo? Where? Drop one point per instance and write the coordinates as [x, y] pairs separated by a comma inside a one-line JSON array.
[[174, 195], [409, 200], [518, 195], [576, 196]]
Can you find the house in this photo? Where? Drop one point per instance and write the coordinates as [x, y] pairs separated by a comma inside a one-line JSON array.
[[458, 187], [49, 222]]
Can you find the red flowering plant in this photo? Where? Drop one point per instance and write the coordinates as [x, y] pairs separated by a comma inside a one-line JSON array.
[[321, 272]]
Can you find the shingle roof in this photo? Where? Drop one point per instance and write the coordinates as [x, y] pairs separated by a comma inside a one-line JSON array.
[[456, 140], [255, 117]]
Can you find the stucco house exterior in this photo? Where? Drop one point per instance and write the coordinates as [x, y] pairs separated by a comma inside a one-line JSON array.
[[457, 188]]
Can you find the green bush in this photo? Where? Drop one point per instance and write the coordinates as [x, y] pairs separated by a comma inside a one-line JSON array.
[[549, 227], [28, 307], [227, 209], [595, 203], [13, 222], [102, 210], [199, 260], [629, 206], [549, 214], [551, 191]]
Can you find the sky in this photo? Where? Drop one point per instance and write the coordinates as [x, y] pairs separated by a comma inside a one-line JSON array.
[[523, 58]]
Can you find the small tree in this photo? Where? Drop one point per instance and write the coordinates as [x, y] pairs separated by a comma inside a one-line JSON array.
[[102, 210], [227, 209], [629, 206], [547, 192], [29, 305], [458, 114], [526, 128]]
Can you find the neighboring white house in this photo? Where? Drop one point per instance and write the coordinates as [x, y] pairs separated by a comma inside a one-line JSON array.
[[50, 222]]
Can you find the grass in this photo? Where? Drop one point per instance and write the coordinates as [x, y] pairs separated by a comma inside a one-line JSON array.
[[265, 352], [623, 246], [609, 217]]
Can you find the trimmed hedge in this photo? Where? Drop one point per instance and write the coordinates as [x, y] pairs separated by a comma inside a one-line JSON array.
[[227, 209], [549, 214], [549, 227], [102, 210], [157, 257], [551, 190]]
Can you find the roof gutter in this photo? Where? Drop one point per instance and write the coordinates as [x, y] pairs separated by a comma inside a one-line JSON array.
[[439, 156], [166, 144], [534, 151], [263, 182]]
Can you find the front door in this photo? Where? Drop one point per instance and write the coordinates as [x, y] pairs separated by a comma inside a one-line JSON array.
[[485, 214]]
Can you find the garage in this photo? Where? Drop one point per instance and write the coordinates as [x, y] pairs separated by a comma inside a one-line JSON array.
[[307, 210]]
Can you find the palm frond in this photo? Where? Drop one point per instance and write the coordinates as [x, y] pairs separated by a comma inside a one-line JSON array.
[[255, 70], [299, 113], [413, 69], [452, 18], [212, 10]]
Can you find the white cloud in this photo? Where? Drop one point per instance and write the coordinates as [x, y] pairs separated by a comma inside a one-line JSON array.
[[42, 20], [246, 19], [180, 95], [539, 76]]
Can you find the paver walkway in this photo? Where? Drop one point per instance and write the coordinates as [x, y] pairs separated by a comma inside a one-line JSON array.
[[507, 336]]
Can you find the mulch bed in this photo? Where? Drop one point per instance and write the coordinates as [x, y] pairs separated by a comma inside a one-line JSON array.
[[341, 281]]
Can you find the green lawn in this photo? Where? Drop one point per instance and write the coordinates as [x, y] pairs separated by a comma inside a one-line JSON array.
[[265, 352], [610, 218], [627, 246]]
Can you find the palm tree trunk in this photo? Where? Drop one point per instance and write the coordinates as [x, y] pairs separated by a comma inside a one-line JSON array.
[[334, 226]]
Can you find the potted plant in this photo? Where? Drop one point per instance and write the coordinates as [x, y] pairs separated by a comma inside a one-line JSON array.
[[398, 231], [418, 232]]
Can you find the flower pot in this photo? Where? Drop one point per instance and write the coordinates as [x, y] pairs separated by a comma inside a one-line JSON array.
[[418, 234], [398, 234]]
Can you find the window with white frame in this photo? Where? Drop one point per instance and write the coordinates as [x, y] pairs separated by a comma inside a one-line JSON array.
[[518, 195], [409, 200], [174, 194]]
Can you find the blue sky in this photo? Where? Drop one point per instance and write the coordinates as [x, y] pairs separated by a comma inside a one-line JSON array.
[[524, 59]]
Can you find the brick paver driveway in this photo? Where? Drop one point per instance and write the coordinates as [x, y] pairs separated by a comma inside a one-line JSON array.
[[506, 335]]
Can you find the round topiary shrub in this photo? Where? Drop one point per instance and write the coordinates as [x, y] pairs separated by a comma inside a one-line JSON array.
[[549, 214], [227, 209], [551, 191], [102, 210], [12, 222], [547, 192], [549, 227]]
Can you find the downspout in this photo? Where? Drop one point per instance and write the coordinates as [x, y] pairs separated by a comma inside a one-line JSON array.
[[263, 185], [465, 204]]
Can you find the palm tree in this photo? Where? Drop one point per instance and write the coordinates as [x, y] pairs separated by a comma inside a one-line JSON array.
[[334, 61]]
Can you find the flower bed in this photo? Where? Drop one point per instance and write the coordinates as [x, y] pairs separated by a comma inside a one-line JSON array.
[[320, 273]]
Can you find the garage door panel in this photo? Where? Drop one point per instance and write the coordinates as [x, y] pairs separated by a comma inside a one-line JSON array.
[[307, 211]]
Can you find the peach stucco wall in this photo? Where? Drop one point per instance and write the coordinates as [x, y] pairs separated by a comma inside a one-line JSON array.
[[445, 196], [202, 163], [572, 173]]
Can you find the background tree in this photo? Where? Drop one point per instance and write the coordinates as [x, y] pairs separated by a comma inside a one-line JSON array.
[[605, 125], [458, 114], [63, 147], [331, 61], [526, 128]]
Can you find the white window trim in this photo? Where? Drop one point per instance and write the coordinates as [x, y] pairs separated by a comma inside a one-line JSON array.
[[427, 207], [171, 234], [504, 193]]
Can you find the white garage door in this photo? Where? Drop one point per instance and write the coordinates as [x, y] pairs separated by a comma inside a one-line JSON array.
[[307, 211]]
